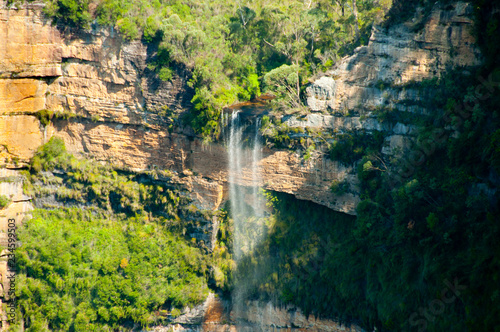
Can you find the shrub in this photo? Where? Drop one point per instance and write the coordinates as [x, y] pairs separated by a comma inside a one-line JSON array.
[[352, 146], [165, 74], [116, 271], [128, 27], [340, 187], [73, 13], [4, 201], [45, 116], [47, 153]]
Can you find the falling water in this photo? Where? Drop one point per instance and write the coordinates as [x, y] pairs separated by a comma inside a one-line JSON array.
[[244, 179], [256, 157], [236, 195], [246, 203]]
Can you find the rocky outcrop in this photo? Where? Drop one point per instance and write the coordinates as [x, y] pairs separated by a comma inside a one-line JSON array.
[[29, 46], [380, 75], [420, 49], [321, 94], [264, 317], [139, 148], [215, 315], [20, 136]]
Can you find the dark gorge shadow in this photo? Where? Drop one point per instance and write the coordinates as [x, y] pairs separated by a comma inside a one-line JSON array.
[[324, 263]]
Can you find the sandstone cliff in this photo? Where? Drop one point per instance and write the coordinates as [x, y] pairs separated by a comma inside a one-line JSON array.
[[107, 104], [380, 75]]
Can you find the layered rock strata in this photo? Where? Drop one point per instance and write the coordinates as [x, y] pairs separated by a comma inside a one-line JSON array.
[[420, 49], [107, 104], [381, 75], [102, 99]]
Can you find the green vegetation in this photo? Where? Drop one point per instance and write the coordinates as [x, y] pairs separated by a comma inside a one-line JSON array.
[[128, 254], [46, 116], [377, 270], [350, 147], [48, 154], [340, 187], [278, 134], [4, 201], [82, 271], [435, 209], [234, 49], [69, 12], [88, 182]]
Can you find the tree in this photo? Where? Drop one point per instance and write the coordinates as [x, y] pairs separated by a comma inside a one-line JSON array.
[[294, 24], [355, 13], [282, 82]]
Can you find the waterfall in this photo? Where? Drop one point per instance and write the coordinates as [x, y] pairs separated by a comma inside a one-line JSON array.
[[244, 180], [256, 178], [244, 151], [236, 195]]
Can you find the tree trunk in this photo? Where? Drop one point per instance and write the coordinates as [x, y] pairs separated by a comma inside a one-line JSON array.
[[342, 5], [355, 13], [298, 89]]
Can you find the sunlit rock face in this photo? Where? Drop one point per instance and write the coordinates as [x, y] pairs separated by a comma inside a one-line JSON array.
[[92, 75], [422, 48], [321, 94], [378, 76]]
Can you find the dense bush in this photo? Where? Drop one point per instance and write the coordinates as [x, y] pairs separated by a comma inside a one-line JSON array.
[[4, 201], [81, 271], [47, 154], [70, 13], [351, 146]]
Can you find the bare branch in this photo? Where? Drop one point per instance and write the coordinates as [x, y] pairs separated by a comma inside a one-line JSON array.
[[268, 43]]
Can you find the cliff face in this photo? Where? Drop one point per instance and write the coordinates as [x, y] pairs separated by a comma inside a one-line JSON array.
[[116, 107], [379, 76], [110, 106], [213, 316], [420, 49]]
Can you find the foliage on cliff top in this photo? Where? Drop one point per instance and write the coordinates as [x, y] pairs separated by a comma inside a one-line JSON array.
[[229, 46]]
